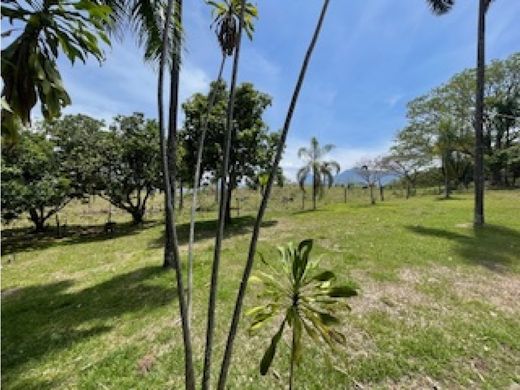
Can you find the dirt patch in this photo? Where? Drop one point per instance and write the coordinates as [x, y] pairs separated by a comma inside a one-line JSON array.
[[395, 298], [400, 298], [500, 290], [145, 364]]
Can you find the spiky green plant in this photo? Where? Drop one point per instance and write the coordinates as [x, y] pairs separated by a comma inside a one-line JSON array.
[[305, 297]]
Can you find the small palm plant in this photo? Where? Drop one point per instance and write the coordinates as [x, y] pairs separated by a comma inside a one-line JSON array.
[[305, 297]]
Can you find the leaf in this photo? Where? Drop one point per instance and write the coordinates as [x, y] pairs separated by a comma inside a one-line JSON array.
[[268, 357], [327, 318], [304, 249], [342, 292], [324, 276]]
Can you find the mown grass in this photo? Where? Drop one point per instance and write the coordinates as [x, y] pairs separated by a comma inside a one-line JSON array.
[[439, 302]]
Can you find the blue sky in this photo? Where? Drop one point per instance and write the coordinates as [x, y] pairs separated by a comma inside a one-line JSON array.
[[372, 57]]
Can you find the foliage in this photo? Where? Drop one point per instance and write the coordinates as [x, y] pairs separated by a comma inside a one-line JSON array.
[[130, 170], [79, 143], [369, 170], [33, 180], [422, 140], [29, 62], [226, 16], [305, 297], [321, 170], [252, 142], [145, 18]]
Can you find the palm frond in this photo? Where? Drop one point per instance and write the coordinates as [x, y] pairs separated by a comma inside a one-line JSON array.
[[302, 176], [440, 7]]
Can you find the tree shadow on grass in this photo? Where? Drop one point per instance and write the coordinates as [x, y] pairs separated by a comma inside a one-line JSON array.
[[494, 247], [207, 229], [24, 239], [41, 319]]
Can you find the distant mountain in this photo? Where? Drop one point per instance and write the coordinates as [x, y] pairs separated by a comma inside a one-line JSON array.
[[350, 176]]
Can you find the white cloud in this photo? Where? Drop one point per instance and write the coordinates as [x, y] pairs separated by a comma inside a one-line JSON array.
[[124, 84], [393, 99]]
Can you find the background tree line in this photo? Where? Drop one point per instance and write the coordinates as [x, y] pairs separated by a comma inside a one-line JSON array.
[[439, 135], [77, 156]]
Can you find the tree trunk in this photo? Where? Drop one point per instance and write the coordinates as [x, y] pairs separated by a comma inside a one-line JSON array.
[[382, 193], [314, 188], [479, 114], [261, 211], [446, 183], [168, 247], [37, 220], [407, 190], [210, 329], [196, 182], [189, 374], [228, 208], [303, 200], [137, 216], [372, 197], [293, 361], [345, 194], [181, 196]]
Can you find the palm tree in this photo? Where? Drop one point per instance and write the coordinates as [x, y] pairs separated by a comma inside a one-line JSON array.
[[441, 7], [145, 18], [225, 39], [170, 211], [233, 328], [321, 170], [222, 11]]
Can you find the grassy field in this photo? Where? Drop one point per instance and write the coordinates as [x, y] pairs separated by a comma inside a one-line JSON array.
[[439, 302]]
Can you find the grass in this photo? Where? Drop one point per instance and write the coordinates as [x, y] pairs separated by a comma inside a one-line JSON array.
[[439, 304]]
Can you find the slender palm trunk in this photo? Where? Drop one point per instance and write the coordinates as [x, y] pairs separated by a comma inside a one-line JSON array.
[[224, 193], [261, 211], [446, 178], [293, 360], [314, 187], [170, 213], [479, 113], [196, 180]]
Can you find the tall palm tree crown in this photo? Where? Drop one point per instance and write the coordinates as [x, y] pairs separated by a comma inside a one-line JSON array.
[[322, 171], [226, 16]]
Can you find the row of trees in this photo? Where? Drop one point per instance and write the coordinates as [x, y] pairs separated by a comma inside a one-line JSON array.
[[440, 132], [78, 156]]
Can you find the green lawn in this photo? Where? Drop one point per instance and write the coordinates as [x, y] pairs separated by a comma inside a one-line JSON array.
[[439, 302]]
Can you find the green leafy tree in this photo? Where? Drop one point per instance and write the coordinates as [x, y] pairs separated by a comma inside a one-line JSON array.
[[322, 171], [130, 165], [33, 180], [29, 63], [79, 143], [302, 297], [253, 144]]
